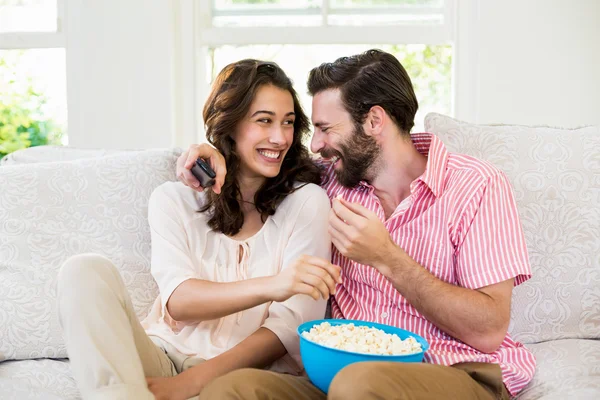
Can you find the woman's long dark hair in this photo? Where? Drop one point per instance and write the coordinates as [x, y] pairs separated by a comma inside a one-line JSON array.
[[228, 103]]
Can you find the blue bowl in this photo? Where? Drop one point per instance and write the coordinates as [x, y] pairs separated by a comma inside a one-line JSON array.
[[322, 363]]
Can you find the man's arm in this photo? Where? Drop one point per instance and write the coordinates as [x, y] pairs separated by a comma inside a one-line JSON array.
[[479, 317]]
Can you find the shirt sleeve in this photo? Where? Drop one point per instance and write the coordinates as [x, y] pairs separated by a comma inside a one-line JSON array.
[[171, 263], [493, 247], [309, 236]]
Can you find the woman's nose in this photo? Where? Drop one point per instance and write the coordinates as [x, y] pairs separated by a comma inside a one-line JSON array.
[[277, 135]]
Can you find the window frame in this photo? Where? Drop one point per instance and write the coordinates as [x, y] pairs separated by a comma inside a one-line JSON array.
[[196, 16], [38, 40]]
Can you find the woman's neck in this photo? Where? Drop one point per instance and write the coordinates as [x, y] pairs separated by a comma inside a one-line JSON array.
[[248, 188]]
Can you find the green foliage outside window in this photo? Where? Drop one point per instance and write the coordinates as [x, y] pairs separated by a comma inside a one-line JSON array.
[[22, 120]]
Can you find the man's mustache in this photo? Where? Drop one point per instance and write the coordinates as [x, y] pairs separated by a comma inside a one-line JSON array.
[[330, 153]]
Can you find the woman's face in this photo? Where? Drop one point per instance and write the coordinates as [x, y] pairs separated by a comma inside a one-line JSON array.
[[266, 133]]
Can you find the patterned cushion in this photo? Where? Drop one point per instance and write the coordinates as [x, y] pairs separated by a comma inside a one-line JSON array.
[[55, 210], [566, 369], [40, 154], [37, 380], [556, 178]]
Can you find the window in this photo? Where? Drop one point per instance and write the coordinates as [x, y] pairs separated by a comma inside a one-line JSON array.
[[301, 34], [33, 106]]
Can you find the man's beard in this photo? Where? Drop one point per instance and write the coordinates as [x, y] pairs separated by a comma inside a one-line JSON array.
[[358, 154]]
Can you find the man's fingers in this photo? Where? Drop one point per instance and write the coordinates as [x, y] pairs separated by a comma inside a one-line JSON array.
[[345, 214], [357, 208], [336, 222], [218, 165]]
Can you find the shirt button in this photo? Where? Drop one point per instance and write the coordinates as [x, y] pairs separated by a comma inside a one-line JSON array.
[[384, 315]]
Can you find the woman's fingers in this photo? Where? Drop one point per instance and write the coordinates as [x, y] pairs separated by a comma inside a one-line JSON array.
[[333, 270], [309, 290], [318, 283]]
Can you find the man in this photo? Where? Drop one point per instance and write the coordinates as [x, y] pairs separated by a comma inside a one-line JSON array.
[[428, 240]]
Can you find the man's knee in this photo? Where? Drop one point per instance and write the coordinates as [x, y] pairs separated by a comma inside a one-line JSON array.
[[356, 381], [372, 380], [240, 384]]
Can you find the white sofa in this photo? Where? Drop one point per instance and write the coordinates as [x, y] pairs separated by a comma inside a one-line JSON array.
[[95, 201]]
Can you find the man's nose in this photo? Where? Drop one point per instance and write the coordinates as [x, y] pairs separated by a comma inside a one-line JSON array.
[[317, 142]]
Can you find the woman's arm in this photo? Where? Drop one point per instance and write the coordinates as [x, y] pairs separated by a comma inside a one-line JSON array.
[[200, 300], [258, 350]]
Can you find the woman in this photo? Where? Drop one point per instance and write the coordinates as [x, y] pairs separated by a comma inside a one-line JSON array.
[[237, 271]]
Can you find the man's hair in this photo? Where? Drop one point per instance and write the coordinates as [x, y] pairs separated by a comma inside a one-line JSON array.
[[232, 94], [373, 78]]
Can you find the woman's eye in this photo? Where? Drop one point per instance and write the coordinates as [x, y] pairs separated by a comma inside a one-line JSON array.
[[264, 120], [289, 122]]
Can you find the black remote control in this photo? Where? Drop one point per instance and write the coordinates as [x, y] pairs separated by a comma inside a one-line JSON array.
[[204, 173]]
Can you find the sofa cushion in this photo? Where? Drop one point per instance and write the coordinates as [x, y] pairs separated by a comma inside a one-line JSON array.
[[50, 153], [37, 380], [556, 178], [566, 369], [51, 211]]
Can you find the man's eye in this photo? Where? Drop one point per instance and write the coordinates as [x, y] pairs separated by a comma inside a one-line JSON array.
[[324, 130]]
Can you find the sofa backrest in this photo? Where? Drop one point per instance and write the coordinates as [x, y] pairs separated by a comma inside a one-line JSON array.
[[50, 211], [555, 174]]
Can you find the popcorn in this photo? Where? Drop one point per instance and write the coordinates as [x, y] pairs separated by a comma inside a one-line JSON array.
[[361, 339]]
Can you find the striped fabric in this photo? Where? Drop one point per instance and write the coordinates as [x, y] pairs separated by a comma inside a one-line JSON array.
[[461, 223]]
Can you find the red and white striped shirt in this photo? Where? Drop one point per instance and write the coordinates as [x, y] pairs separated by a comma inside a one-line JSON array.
[[460, 222]]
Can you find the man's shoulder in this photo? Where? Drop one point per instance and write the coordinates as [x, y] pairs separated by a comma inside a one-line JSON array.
[[463, 167]]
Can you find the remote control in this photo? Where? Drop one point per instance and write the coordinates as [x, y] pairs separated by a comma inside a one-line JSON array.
[[204, 173]]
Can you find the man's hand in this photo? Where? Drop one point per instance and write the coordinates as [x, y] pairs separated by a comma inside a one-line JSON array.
[[358, 234], [313, 276], [178, 387], [186, 161]]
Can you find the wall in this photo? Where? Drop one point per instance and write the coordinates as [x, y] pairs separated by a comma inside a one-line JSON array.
[[131, 73], [119, 69], [538, 62]]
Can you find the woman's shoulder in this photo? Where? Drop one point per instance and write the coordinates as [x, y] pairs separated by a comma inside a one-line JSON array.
[[306, 195], [176, 197]]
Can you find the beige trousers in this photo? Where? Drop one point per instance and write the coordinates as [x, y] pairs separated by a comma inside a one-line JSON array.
[[367, 381], [109, 351]]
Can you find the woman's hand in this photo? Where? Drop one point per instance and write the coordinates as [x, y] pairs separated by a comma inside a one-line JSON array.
[[186, 161], [308, 275], [177, 387]]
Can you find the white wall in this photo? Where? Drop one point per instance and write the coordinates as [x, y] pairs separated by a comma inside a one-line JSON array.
[[120, 76], [132, 79], [538, 62]]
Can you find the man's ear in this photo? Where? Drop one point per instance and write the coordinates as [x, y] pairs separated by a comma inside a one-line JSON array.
[[375, 121]]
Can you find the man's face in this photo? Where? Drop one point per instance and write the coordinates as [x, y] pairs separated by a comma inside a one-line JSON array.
[[337, 137]]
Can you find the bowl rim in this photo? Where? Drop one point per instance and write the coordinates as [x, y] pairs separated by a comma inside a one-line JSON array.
[[424, 343]]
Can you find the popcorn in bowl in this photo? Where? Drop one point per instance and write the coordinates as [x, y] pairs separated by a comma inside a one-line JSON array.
[[361, 339]]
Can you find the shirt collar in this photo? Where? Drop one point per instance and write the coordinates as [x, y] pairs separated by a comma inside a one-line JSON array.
[[437, 158]]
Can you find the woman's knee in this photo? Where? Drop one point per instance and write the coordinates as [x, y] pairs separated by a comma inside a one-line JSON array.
[[80, 272]]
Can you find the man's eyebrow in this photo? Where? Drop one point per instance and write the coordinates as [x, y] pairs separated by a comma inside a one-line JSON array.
[[320, 124]]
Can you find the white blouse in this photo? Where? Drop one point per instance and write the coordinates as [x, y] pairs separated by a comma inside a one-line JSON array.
[[184, 247]]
